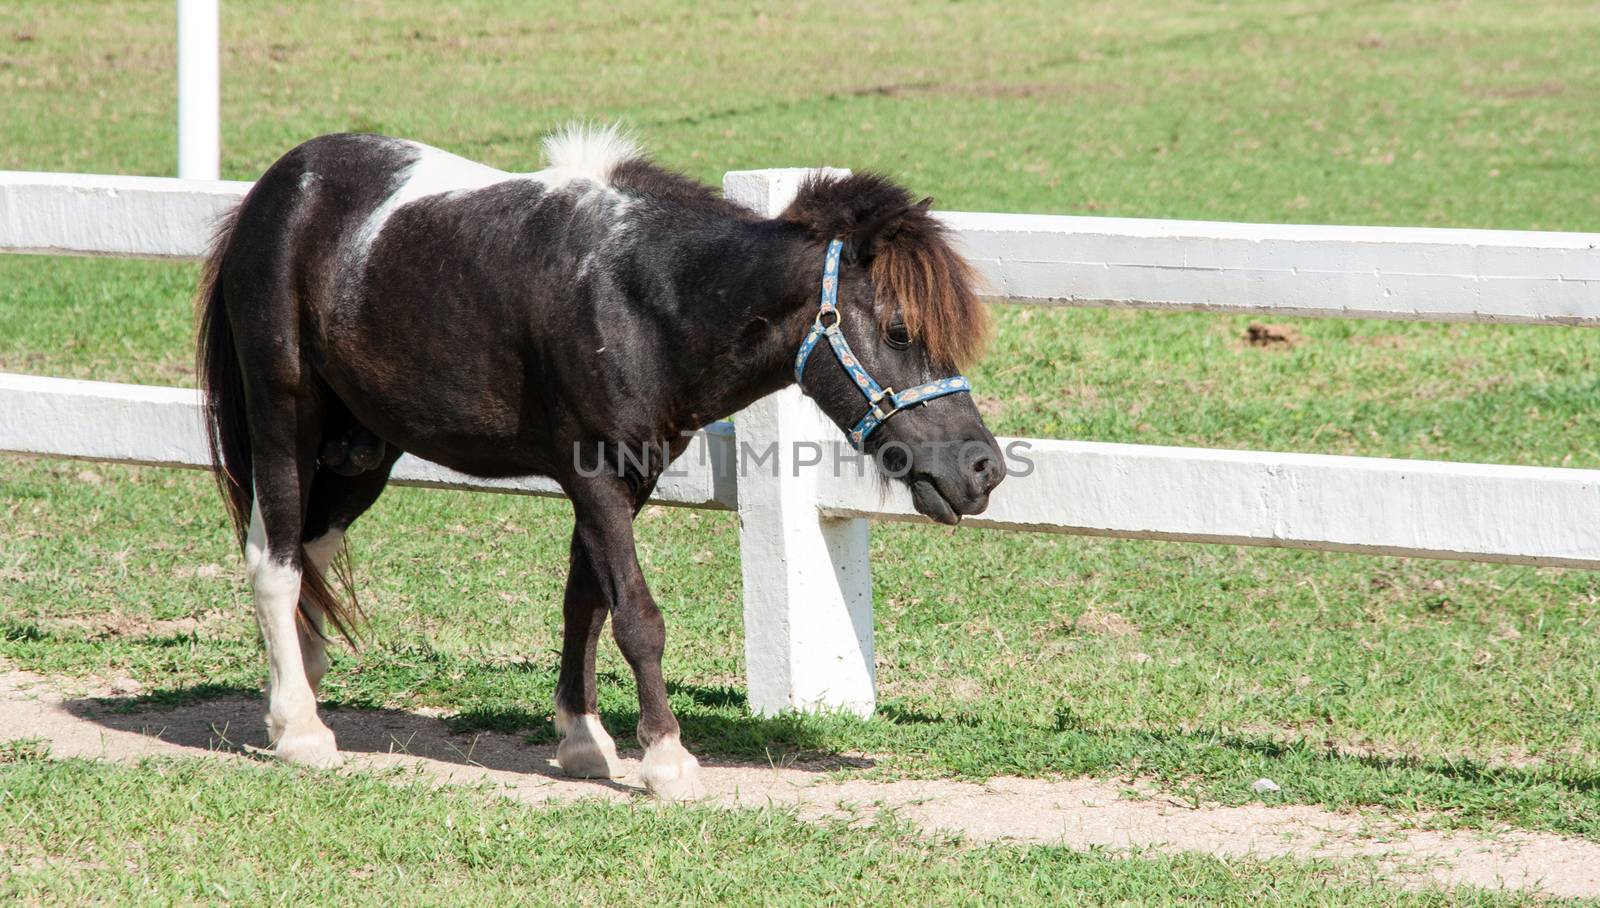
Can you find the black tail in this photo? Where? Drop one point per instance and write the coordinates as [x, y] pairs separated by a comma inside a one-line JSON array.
[[217, 365], [228, 433]]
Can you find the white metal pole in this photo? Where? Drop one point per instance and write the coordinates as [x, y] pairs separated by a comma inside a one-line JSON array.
[[199, 102]]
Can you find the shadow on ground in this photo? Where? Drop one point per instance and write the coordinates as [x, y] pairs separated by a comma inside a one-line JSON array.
[[232, 720], [512, 739]]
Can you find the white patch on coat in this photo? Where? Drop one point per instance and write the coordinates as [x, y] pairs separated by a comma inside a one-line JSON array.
[[577, 154], [615, 216], [434, 172]]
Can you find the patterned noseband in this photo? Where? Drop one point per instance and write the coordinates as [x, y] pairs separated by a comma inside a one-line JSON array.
[[882, 402]]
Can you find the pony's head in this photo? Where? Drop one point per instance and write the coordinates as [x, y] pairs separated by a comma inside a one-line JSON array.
[[910, 321]]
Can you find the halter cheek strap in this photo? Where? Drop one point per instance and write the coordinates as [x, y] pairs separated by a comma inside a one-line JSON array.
[[882, 402]]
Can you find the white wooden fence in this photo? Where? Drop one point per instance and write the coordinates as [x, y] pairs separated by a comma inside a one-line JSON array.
[[807, 578]]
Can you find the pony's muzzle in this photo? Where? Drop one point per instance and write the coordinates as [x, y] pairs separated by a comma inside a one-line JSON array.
[[950, 480]]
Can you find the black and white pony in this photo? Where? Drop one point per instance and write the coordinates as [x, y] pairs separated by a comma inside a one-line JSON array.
[[373, 296]]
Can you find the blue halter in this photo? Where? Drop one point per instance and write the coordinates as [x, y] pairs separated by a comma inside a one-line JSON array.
[[882, 402]]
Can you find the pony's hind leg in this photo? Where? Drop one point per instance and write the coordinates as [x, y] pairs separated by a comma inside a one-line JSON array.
[[586, 751], [295, 731], [319, 555], [284, 431], [335, 503]]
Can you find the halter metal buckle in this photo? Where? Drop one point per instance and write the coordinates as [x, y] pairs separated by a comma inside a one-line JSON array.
[[878, 412]]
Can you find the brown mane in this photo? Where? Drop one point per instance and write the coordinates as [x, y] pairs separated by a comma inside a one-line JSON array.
[[917, 267]]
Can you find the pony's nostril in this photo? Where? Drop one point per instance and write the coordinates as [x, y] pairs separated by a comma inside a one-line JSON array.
[[981, 465]]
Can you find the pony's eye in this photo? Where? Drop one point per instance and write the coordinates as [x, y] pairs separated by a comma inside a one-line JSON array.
[[899, 337]]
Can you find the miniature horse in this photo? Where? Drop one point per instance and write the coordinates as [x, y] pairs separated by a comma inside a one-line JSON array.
[[372, 296]]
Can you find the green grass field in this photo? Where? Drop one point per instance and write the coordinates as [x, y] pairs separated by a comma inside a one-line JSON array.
[[365, 841], [1460, 694]]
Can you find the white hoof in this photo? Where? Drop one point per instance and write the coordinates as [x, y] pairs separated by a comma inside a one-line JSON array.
[[308, 745], [670, 772], [586, 751]]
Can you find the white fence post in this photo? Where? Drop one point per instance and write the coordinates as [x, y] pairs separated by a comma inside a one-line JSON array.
[[199, 101], [807, 578]]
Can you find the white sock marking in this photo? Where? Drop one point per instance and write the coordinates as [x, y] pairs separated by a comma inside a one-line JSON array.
[[586, 751], [322, 549], [670, 772], [292, 722]]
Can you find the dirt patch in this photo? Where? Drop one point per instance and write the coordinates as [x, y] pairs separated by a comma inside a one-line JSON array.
[[1549, 88], [101, 627], [1260, 334], [944, 687], [998, 90], [1078, 813], [1384, 341], [989, 407], [1104, 624], [1309, 733]]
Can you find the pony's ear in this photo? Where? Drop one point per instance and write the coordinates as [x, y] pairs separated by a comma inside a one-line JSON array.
[[865, 241]]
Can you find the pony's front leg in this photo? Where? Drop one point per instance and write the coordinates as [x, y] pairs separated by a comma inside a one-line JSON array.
[[604, 512], [586, 751]]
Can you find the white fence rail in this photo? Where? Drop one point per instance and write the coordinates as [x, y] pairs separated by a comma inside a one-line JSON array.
[[1423, 274], [125, 217], [164, 427], [807, 579], [1419, 274]]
